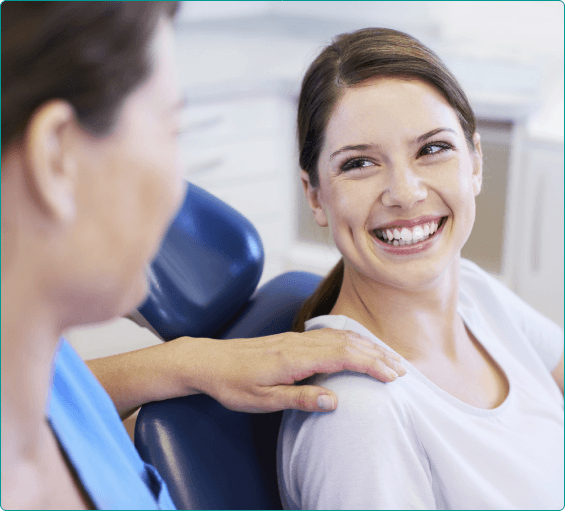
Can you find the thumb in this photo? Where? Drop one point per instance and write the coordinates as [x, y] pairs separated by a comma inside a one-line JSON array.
[[310, 398]]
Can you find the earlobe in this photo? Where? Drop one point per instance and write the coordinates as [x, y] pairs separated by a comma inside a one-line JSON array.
[[50, 166], [477, 164], [312, 195]]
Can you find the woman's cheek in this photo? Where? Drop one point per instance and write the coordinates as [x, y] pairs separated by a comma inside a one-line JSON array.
[[346, 219]]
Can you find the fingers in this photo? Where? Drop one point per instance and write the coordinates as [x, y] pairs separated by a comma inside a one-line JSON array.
[[257, 375], [346, 350], [376, 362], [308, 398]]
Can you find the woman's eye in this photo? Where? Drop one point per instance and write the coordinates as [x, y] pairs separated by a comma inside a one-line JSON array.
[[356, 163], [435, 148]]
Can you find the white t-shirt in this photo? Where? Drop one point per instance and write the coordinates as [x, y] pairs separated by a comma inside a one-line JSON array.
[[411, 445]]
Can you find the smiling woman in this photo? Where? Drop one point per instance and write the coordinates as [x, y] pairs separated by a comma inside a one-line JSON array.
[[392, 165], [419, 166]]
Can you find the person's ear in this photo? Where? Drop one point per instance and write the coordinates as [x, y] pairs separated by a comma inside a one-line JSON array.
[[477, 158], [50, 167], [312, 195]]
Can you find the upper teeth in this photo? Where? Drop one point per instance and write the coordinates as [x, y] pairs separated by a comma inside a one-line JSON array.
[[405, 236]]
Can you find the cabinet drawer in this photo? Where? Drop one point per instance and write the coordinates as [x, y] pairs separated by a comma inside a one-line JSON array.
[[274, 233], [259, 200], [230, 164], [226, 121]]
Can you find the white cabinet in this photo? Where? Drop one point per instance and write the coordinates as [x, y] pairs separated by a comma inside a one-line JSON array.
[[539, 241]]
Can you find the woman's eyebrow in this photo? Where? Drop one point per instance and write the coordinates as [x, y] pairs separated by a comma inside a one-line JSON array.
[[364, 147], [429, 134], [360, 147]]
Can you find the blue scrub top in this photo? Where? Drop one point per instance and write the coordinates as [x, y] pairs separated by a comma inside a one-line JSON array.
[[90, 431]]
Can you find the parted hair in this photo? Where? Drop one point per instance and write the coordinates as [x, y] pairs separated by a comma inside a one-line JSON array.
[[91, 54], [349, 60]]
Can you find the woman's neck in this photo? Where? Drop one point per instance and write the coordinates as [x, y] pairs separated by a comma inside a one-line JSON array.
[[30, 335], [417, 323]]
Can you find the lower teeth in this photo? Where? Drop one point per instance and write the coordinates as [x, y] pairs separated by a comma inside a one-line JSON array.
[[402, 242]]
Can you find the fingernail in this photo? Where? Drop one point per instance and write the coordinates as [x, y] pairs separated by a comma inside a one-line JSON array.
[[326, 402], [392, 374]]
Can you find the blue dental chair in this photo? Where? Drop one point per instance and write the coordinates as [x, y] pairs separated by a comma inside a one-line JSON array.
[[203, 284]]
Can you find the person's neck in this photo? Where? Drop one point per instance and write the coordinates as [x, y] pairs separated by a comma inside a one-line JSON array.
[[417, 323], [30, 334]]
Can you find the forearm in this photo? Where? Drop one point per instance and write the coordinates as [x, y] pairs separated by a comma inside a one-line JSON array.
[[249, 375], [150, 374]]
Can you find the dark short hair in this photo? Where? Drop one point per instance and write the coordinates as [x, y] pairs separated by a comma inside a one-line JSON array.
[[91, 54], [358, 56]]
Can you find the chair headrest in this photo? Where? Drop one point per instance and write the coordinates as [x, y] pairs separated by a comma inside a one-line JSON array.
[[209, 264]]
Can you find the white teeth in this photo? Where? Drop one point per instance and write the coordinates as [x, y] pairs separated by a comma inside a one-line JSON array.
[[405, 234], [417, 234]]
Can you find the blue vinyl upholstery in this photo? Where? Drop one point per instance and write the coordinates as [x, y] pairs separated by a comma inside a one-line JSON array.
[[208, 266], [212, 457]]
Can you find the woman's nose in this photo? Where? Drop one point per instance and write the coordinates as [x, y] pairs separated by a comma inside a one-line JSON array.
[[404, 189]]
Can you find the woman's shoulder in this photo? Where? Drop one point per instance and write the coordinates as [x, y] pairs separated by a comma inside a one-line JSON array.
[[360, 394], [362, 397]]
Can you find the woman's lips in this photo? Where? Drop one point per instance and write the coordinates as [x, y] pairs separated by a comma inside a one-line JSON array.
[[406, 235]]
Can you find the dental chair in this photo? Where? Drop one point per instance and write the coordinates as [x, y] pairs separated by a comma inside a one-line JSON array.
[[203, 284]]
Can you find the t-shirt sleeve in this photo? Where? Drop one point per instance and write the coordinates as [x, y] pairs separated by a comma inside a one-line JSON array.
[[364, 455], [545, 336]]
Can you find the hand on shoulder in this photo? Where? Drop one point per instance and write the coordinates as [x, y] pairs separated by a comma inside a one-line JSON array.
[[258, 375]]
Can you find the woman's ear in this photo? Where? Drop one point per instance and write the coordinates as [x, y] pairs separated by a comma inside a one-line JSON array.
[[50, 166], [312, 195], [477, 157]]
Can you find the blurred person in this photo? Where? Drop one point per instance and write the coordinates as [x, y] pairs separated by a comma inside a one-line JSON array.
[[391, 163], [90, 183]]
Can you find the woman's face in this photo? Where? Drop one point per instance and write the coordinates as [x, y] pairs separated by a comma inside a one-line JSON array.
[[130, 185], [397, 182]]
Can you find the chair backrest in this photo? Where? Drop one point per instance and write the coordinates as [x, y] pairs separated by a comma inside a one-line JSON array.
[[212, 457], [209, 264]]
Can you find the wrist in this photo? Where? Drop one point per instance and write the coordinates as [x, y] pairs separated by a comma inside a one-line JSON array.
[[187, 365]]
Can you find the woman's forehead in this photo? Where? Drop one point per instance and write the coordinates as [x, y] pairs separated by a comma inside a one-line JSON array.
[[385, 105]]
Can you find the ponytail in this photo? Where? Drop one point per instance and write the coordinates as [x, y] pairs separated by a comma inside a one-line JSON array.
[[323, 299]]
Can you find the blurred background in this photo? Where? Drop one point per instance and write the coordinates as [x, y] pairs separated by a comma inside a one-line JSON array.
[[241, 64]]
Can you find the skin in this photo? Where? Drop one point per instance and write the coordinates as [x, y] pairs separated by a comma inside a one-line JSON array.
[[81, 218], [407, 300]]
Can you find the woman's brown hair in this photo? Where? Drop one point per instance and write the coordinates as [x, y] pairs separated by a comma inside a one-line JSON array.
[[349, 60], [91, 54]]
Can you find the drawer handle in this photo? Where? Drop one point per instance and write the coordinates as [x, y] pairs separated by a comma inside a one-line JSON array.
[[537, 223], [207, 166], [202, 125]]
